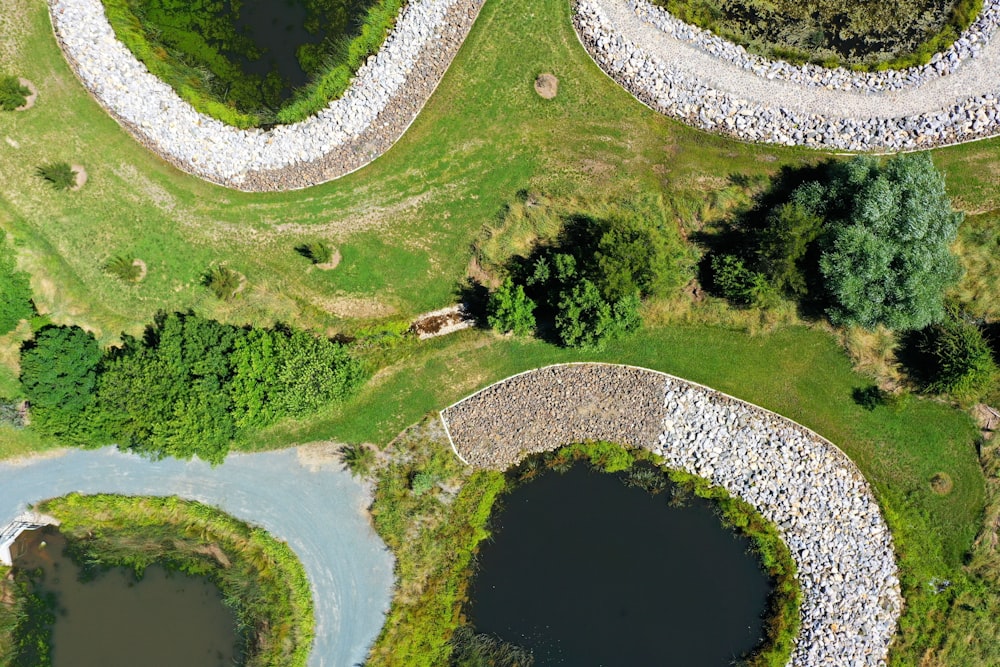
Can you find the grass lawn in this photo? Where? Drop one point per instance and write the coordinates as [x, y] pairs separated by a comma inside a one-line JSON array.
[[405, 226]]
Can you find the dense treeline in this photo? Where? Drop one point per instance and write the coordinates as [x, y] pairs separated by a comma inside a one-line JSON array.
[[187, 387]]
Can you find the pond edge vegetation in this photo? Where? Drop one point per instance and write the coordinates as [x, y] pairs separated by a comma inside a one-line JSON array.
[[260, 577]]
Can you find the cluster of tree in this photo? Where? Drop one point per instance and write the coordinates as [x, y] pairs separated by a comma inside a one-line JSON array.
[[867, 241], [587, 287], [187, 387], [15, 291]]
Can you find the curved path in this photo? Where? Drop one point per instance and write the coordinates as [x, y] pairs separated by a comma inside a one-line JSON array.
[[635, 44], [817, 497], [309, 502]]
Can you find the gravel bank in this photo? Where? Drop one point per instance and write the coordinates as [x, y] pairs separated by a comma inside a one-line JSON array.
[[816, 496], [301, 496], [719, 87], [385, 96]]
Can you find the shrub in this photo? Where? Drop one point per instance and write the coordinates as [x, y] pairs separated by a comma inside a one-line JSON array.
[[124, 268], [359, 459], [964, 365], [316, 252], [15, 291], [787, 239], [12, 93], [58, 174], [510, 310], [586, 319], [737, 283], [223, 282]]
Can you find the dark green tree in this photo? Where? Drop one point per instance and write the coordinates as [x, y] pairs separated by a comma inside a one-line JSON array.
[[59, 376], [885, 255], [509, 309], [15, 291], [787, 239], [964, 365]]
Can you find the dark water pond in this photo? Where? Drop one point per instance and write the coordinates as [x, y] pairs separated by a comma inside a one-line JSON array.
[[164, 620], [586, 571]]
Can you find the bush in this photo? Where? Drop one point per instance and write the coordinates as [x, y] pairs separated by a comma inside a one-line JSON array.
[[359, 459], [15, 291], [124, 268], [964, 365], [12, 93], [58, 174], [509, 310], [787, 239], [317, 252], [223, 282], [586, 319], [737, 283]]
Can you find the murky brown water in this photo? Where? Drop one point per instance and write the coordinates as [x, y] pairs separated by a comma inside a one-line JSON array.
[[164, 620]]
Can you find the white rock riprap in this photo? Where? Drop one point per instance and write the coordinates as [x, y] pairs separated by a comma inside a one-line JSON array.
[[817, 497], [384, 97], [717, 86]]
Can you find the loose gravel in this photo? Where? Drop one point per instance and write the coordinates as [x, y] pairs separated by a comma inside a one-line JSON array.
[[711, 84], [307, 500], [817, 497], [384, 97]]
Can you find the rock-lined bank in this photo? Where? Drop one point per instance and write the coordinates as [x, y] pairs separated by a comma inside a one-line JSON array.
[[756, 100], [384, 97], [816, 496]]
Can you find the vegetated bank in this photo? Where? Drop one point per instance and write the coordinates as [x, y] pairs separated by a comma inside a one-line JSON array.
[[832, 33], [433, 512], [218, 61], [260, 578]]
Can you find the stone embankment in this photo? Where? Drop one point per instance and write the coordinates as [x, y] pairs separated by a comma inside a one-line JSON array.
[[384, 97], [704, 81], [817, 497]]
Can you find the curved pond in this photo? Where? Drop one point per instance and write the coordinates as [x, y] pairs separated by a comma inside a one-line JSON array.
[[586, 570]]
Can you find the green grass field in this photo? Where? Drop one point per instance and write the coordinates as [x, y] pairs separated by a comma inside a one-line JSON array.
[[405, 226]]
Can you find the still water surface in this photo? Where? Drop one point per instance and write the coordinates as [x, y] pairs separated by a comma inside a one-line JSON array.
[[586, 571], [163, 620]]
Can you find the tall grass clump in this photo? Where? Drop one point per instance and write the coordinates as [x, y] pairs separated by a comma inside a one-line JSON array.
[[59, 175], [223, 282], [124, 268], [12, 93]]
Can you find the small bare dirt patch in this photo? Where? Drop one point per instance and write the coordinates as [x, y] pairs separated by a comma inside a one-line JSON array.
[[547, 86], [81, 176], [941, 483], [441, 322], [215, 552], [142, 270], [29, 101], [332, 264], [987, 418]]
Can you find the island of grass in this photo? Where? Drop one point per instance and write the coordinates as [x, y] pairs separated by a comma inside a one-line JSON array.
[[860, 35], [260, 578], [256, 63]]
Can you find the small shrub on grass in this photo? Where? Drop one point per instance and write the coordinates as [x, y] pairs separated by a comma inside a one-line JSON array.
[[869, 397], [124, 268], [223, 282], [964, 362], [358, 459], [15, 291], [317, 252], [509, 310], [59, 175], [12, 93], [738, 284]]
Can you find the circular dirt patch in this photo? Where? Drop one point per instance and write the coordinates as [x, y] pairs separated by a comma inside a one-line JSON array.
[[142, 270], [332, 264], [941, 483], [81, 176], [29, 101], [547, 85]]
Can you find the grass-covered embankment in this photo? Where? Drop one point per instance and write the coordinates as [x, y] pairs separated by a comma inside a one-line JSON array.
[[261, 579]]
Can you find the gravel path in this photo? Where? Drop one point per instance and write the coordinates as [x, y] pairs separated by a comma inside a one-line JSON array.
[[639, 46], [817, 497], [304, 499]]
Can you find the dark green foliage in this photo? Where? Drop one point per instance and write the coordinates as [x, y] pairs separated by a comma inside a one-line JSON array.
[[734, 281], [885, 254], [359, 459], [37, 616], [470, 649], [223, 282], [896, 33], [963, 361], [787, 239], [586, 319], [510, 310], [59, 371], [15, 291], [124, 268], [869, 397], [12, 93], [316, 252], [58, 174]]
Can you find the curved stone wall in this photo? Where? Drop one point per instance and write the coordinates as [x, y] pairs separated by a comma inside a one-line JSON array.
[[385, 96], [816, 496], [716, 86]]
